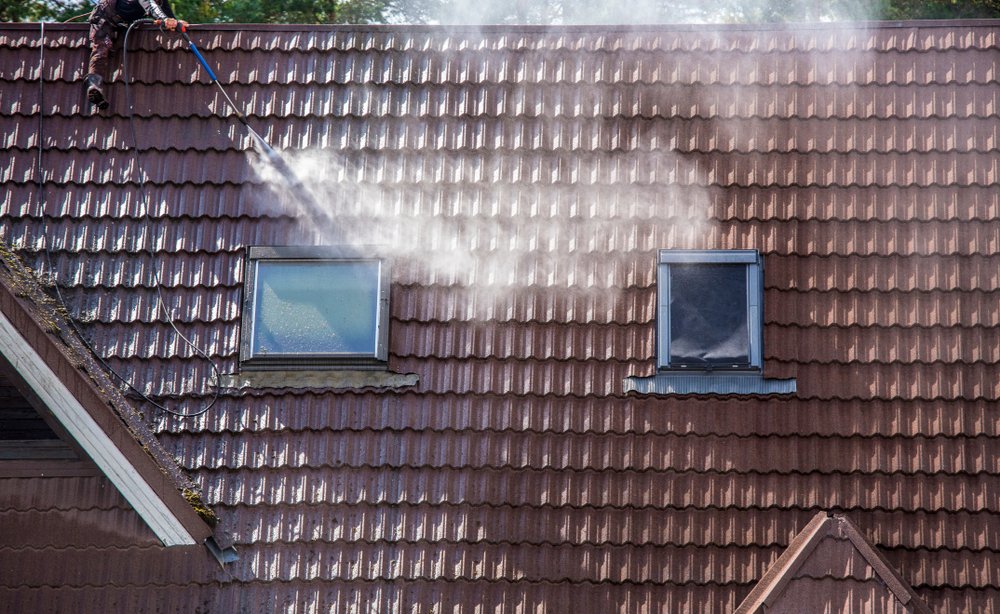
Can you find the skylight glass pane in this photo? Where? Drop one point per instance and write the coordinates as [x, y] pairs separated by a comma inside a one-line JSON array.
[[708, 315], [316, 308]]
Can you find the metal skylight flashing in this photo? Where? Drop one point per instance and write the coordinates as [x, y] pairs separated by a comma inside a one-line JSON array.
[[709, 382]]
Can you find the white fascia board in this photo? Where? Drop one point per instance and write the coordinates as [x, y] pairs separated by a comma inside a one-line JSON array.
[[92, 439]]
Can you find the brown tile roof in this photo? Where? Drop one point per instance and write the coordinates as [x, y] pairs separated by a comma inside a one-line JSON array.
[[527, 177]]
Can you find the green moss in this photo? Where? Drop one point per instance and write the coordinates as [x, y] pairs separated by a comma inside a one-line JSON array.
[[206, 513]]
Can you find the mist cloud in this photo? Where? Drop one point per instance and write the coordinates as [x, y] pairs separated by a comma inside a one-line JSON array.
[[594, 12]]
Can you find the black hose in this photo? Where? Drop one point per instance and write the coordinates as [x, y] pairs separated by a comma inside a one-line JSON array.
[[40, 180], [156, 274]]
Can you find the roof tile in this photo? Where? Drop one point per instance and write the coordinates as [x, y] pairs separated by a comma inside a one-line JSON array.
[[659, 490], [619, 453], [537, 171]]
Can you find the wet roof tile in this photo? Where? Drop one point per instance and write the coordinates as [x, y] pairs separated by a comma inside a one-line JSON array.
[[536, 171]]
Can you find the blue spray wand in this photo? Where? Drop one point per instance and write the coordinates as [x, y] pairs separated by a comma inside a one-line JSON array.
[[263, 147]]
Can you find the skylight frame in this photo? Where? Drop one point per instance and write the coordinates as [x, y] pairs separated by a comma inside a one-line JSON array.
[[376, 359], [754, 307]]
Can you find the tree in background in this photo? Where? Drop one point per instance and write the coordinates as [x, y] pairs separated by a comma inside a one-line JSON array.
[[200, 11], [195, 11], [941, 9], [302, 11], [695, 11], [39, 10], [239, 11], [762, 11], [527, 11]]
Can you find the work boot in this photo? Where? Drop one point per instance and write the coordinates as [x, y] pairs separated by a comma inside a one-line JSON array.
[[94, 92]]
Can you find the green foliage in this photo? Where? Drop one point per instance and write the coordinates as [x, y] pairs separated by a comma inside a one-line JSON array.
[[527, 11], [941, 9], [43, 10], [240, 11], [13, 10], [857, 10], [692, 11], [272, 11], [196, 11]]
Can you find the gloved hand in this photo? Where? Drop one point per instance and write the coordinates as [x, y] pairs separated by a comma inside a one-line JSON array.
[[171, 24]]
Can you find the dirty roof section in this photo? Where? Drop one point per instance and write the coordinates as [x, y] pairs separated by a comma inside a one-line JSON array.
[[522, 181]]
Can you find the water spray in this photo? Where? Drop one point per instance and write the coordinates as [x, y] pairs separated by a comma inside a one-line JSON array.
[[269, 153]]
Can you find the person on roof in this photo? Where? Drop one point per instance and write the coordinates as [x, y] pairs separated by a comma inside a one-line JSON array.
[[109, 19]]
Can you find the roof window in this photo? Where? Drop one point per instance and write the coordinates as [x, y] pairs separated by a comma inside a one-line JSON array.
[[315, 307], [709, 329], [709, 310]]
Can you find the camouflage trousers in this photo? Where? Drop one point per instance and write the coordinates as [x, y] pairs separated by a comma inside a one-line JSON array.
[[105, 26]]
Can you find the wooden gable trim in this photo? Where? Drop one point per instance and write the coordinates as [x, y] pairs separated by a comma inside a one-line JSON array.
[[774, 581], [780, 573], [888, 574], [46, 368]]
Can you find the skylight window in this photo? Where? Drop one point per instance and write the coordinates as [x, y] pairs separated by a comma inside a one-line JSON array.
[[317, 307], [709, 310]]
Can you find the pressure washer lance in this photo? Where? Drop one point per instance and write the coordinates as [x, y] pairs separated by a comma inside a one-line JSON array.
[[273, 157]]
